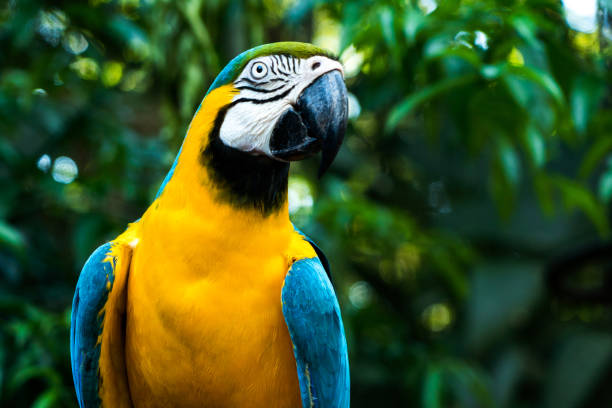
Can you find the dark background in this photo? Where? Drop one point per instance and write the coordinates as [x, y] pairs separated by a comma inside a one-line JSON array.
[[466, 218]]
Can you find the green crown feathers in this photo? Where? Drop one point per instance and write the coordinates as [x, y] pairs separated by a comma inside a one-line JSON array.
[[295, 49]]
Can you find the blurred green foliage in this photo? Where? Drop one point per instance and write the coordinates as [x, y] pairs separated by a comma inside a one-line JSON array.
[[478, 156]]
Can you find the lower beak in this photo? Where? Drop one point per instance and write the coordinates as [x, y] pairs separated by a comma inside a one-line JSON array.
[[316, 122]]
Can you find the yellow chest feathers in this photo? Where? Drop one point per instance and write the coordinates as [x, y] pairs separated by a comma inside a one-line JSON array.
[[204, 320]]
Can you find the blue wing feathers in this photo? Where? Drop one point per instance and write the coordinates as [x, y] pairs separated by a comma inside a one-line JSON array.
[[312, 314], [91, 293]]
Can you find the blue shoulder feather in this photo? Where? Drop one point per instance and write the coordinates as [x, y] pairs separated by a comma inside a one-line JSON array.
[[312, 315], [319, 253], [93, 288]]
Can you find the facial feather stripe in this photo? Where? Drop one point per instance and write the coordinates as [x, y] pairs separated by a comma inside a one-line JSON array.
[[281, 68], [258, 101]]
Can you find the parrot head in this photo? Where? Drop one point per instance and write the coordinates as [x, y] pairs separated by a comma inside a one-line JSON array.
[[290, 102], [269, 106]]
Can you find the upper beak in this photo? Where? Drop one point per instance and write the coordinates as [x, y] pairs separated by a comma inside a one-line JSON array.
[[316, 122]]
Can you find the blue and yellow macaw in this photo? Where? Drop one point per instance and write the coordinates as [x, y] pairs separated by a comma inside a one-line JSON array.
[[213, 298]]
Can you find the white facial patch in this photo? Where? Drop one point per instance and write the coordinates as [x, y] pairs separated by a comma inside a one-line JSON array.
[[268, 86]]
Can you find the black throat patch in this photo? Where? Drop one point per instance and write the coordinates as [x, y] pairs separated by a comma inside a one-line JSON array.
[[242, 179]]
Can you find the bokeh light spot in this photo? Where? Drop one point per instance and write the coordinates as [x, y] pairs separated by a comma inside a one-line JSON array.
[[134, 81], [51, 25], [516, 58], [44, 163], [39, 92], [464, 38], [86, 68], [138, 49], [351, 61], [300, 195], [360, 294], [75, 43], [65, 170], [581, 15], [112, 73], [407, 260], [354, 107], [437, 317], [481, 40], [76, 198], [326, 32], [428, 6], [587, 42]]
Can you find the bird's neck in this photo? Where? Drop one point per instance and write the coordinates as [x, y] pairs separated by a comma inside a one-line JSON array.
[[210, 174]]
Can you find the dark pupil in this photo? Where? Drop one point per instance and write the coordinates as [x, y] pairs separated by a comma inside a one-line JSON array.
[[259, 69]]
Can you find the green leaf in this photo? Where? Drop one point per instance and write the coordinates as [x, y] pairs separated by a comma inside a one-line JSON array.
[[504, 176], [539, 77], [11, 237], [527, 29], [386, 23], [441, 51], [28, 373], [492, 71], [470, 382], [424, 95], [413, 21], [536, 147], [451, 272], [432, 388], [585, 96], [519, 88], [594, 156], [605, 186], [47, 399], [576, 195], [509, 161]]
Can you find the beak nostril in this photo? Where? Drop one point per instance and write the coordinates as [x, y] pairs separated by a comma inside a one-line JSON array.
[[315, 65]]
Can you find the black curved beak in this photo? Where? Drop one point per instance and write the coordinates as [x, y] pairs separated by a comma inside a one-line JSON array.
[[316, 122]]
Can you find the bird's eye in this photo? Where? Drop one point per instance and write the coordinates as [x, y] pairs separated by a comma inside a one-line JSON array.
[[259, 70]]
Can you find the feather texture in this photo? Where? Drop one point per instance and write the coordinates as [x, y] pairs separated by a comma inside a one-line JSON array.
[[97, 332], [313, 317], [92, 291]]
